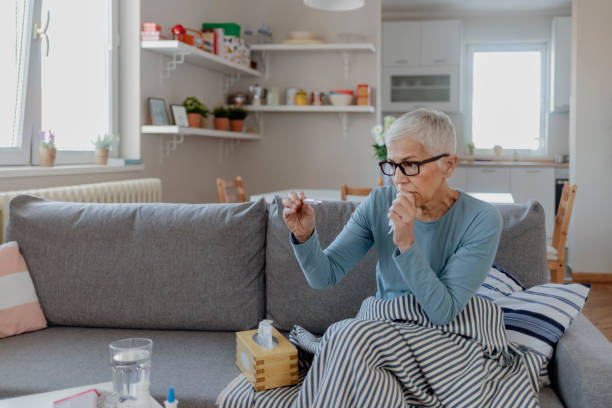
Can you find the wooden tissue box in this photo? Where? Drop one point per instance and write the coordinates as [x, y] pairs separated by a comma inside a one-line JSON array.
[[266, 368]]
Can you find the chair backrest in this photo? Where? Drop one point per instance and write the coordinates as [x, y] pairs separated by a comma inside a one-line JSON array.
[[562, 219], [346, 190], [231, 191], [380, 182]]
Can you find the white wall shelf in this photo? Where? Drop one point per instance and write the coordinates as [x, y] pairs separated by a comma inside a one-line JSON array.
[[178, 134], [310, 108], [344, 49], [348, 47], [342, 112], [179, 52]]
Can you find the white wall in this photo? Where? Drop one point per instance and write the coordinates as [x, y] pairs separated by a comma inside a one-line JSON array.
[[591, 136], [506, 29]]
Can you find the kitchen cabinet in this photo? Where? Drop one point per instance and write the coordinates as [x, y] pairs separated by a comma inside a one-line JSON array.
[[441, 42], [408, 88], [402, 43], [458, 179], [560, 64], [488, 180], [421, 43], [536, 184]]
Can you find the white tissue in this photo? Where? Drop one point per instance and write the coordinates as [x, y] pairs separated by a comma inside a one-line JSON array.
[[264, 334]]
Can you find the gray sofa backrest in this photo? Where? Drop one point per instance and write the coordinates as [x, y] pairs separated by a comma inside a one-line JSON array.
[[146, 266], [290, 300]]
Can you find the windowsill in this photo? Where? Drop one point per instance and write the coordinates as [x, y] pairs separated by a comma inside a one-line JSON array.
[[38, 171]]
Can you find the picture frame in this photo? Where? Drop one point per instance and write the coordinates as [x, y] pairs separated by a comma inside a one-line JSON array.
[[179, 115], [157, 112]]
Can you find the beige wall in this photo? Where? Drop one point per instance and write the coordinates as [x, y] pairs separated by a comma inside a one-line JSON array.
[[591, 136]]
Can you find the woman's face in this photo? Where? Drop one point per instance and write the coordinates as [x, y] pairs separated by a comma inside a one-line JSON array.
[[431, 176]]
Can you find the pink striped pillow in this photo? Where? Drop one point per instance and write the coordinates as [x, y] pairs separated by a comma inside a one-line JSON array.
[[20, 310]]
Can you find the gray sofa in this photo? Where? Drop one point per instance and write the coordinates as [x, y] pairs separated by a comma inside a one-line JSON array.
[[188, 276]]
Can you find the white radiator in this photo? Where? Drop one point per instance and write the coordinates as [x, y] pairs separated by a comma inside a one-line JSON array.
[[146, 190]]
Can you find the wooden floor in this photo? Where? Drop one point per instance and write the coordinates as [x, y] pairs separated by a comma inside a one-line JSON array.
[[598, 307]]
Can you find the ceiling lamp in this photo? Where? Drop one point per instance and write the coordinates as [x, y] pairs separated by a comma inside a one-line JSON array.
[[335, 5]]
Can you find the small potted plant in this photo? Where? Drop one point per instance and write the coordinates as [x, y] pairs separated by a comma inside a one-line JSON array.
[[47, 149], [470, 147], [196, 112], [221, 120], [103, 145], [236, 118]]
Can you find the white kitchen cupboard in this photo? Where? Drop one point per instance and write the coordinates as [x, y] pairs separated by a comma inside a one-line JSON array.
[[401, 43], [408, 88], [421, 43], [441, 42], [458, 179], [488, 179], [560, 64], [535, 184]]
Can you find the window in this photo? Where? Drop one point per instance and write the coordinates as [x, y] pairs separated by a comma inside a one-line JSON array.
[[71, 77], [506, 94], [15, 22]]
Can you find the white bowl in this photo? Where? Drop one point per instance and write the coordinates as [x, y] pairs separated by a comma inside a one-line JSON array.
[[302, 35], [341, 99]]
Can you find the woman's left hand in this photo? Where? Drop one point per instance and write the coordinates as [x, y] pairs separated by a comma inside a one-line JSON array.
[[403, 214]]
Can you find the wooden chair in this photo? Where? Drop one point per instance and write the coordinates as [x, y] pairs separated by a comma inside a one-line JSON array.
[[346, 190], [231, 191], [555, 254]]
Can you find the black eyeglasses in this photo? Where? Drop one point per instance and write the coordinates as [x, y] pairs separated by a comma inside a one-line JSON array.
[[409, 168]]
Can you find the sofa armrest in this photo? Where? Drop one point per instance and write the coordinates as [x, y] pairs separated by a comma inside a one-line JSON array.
[[581, 368]]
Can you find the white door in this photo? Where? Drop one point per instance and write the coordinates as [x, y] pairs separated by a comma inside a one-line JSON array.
[[408, 88], [401, 43], [488, 180], [536, 184], [441, 42]]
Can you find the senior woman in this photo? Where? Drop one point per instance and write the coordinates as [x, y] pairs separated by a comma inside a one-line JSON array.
[[433, 241]]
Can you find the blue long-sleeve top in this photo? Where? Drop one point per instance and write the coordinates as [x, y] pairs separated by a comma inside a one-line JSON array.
[[443, 268]]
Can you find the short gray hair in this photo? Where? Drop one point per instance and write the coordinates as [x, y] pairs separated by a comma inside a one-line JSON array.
[[433, 129]]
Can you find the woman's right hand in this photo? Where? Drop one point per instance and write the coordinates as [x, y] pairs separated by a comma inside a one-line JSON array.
[[299, 216]]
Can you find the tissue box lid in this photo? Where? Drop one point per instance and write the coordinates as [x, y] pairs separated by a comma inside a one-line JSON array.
[[266, 368]]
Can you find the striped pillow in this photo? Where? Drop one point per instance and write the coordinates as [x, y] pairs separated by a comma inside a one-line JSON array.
[[19, 307], [536, 317]]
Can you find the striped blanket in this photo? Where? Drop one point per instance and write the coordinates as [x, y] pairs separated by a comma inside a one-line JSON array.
[[391, 355]]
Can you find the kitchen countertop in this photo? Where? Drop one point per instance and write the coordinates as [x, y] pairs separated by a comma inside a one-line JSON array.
[[510, 163]]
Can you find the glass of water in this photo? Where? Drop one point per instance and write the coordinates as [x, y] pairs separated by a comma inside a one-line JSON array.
[[131, 366]]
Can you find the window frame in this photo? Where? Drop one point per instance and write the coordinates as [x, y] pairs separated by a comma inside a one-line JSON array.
[[31, 107], [21, 154], [542, 47]]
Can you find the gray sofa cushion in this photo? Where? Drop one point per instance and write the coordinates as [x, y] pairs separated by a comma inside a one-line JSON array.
[[197, 364], [144, 266], [522, 246], [289, 298]]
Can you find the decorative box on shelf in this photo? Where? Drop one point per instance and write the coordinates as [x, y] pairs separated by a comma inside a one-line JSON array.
[[266, 368]]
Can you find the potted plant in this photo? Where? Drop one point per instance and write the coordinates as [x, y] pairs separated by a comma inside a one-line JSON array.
[[47, 149], [103, 145], [470, 147], [379, 133], [221, 120], [236, 118], [196, 112]]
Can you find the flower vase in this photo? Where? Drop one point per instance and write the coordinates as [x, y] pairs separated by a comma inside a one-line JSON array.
[[47, 157], [101, 156]]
